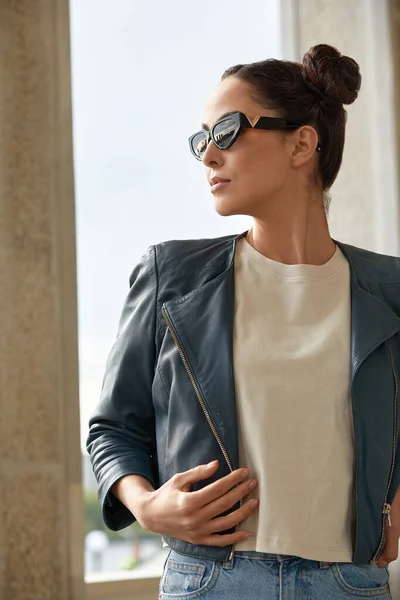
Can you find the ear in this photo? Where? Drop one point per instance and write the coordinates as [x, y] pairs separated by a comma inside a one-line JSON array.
[[305, 142]]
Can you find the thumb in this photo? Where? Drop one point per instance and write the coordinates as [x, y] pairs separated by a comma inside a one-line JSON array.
[[184, 480]]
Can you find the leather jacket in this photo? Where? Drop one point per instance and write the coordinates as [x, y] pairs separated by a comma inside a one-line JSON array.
[[168, 399]]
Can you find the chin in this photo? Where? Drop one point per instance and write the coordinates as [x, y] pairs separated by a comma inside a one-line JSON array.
[[224, 212], [228, 208]]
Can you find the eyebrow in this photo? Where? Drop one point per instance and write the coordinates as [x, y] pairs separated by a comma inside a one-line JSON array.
[[228, 114]]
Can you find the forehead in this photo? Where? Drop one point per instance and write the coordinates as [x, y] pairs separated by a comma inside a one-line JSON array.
[[230, 95]]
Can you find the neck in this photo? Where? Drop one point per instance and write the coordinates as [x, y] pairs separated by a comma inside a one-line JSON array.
[[299, 235]]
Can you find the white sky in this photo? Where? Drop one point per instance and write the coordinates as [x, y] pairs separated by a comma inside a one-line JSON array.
[[141, 73]]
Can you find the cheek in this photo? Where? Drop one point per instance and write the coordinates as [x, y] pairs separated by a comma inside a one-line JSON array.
[[263, 171]]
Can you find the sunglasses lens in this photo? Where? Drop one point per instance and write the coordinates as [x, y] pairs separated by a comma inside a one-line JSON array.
[[224, 132], [199, 144]]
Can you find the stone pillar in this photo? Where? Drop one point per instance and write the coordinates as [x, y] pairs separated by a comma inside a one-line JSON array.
[[41, 514], [394, 16], [365, 197]]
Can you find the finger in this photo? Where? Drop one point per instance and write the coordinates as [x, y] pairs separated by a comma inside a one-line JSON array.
[[391, 549], [382, 562], [224, 540], [219, 488], [224, 503], [231, 520], [184, 480]]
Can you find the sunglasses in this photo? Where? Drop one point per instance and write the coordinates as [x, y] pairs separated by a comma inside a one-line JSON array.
[[226, 131]]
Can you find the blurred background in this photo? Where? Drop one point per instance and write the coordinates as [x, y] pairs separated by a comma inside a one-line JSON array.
[[97, 101]]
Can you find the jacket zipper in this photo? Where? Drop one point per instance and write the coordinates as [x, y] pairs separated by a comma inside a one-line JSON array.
[[387, 507], [203, 406]]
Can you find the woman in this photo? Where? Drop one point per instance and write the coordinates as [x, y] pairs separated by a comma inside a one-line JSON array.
[[249, 406]]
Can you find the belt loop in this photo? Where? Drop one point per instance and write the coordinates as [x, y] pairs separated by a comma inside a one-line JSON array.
[[228, 564]]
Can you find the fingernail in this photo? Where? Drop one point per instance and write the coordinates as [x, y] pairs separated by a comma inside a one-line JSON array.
[[212, 464], [254, 503]]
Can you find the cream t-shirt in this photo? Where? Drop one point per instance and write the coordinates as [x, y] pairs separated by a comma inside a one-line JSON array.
[[292, 327]]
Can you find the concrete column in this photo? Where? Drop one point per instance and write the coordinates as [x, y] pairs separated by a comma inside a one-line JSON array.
[[365, 197], [394, 17], [41, 514]]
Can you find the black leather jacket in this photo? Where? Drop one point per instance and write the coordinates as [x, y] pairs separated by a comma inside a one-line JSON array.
[[168, 402]]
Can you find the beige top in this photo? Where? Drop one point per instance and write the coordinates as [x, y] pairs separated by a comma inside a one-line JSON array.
[[292, 380]]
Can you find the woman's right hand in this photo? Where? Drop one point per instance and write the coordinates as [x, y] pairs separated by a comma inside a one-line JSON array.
[[174, 510]]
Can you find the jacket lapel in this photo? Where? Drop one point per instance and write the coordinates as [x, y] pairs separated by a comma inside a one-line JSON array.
[[372, 320], [203, 322]]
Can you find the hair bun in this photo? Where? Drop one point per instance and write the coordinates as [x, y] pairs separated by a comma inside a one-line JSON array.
[[334, 77]]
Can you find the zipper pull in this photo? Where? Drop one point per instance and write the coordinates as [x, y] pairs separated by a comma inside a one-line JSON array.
[[386, 511]]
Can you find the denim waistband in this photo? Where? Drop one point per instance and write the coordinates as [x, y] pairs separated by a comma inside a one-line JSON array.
[[270, 556]]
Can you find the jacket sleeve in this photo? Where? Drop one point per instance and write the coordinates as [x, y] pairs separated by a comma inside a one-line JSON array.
[[121, 439]]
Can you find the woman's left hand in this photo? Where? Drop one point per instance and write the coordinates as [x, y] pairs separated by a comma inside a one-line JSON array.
[[391, 549]]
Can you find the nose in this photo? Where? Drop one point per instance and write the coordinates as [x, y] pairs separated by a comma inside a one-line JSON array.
[[212, 155]]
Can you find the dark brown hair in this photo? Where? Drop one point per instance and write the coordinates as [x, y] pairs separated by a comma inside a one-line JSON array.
[[312, 93]]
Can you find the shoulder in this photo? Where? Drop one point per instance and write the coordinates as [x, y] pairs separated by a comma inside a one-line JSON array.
[[193, 254], [371, 266], [378, 274]]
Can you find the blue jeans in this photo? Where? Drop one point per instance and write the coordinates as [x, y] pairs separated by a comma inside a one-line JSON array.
[[264, 576]]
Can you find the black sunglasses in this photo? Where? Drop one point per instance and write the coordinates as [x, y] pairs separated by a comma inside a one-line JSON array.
[[226, 131]]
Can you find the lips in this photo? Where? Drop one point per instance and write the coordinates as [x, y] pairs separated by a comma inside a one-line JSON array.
[[216, 180]]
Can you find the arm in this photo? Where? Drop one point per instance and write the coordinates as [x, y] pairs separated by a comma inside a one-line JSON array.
[[132, 491], [121, 438]]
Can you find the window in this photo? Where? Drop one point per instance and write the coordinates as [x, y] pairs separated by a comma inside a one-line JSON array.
[[141, 73]]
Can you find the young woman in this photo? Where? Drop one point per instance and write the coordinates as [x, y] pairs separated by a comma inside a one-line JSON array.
[[249, 406]]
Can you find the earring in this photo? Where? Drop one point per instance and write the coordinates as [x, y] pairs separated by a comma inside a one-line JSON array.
[[318, 148]]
